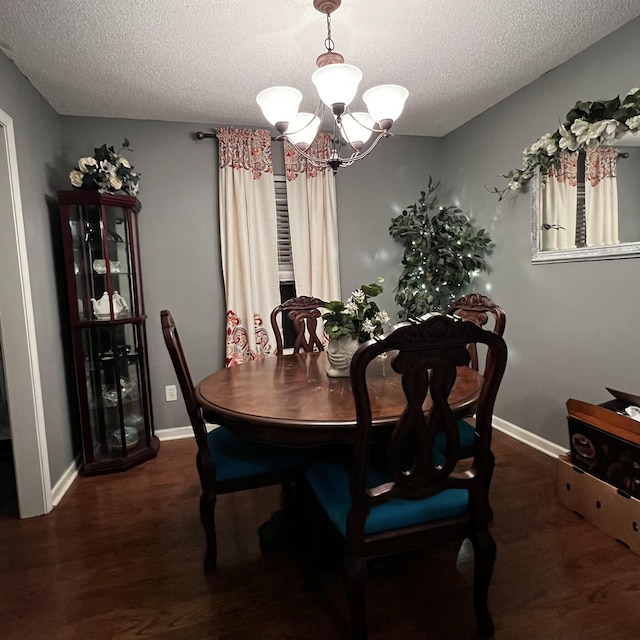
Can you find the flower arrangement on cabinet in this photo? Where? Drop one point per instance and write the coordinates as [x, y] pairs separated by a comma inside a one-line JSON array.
[[107, 171], [359, 317], [588, 124]]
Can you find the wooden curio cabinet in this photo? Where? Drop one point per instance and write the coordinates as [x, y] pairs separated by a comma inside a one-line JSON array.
[[106, 308]]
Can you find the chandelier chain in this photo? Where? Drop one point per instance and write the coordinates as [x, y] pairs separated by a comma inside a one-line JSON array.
[[329, 43]]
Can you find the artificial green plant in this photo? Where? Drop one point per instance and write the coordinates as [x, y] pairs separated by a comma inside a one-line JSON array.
[[442, 251]]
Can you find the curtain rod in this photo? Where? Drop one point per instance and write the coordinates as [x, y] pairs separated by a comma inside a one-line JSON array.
[[201, 135]]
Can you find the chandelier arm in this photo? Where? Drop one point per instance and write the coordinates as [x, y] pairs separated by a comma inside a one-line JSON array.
[[344, 162], [314, 160], [373, 129], [319, 114], [363, 154]]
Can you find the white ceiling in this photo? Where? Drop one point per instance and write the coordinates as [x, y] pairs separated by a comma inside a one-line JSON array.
[[204, 61]]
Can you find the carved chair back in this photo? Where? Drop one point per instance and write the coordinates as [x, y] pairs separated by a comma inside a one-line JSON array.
[[426, 355], [479, 309], [305, 312]]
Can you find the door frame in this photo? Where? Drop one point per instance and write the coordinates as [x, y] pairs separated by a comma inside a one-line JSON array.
[[22, 368]]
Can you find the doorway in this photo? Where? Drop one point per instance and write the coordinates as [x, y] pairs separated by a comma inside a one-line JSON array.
[[8, 490], [19, 345]]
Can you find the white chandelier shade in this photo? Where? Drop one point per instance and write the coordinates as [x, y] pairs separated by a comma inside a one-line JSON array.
[[303, 130], [357, 128], [279, 104], [385, 102], [337, 85]]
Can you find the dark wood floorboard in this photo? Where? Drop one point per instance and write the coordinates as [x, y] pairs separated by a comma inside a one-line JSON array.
[[120, 558]]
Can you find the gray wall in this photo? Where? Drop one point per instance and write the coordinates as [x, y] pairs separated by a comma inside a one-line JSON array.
[[38, 145], [571, 328]]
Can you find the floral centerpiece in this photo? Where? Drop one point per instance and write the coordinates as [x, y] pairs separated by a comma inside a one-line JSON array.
[[107, 171], [359, 317], [588, 124], [349, 323]]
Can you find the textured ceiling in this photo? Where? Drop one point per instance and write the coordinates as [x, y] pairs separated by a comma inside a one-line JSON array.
[[204, 61]]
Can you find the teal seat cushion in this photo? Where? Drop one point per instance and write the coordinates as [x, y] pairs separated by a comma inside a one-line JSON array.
[[236, 457], [466, 433], [329, 480]]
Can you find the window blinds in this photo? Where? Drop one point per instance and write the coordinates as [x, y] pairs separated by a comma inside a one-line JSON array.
[[285, 257]]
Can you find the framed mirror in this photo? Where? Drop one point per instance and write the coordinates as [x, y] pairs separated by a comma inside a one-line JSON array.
[[589, 209]]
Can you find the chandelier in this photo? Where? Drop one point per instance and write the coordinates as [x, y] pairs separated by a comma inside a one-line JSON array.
[[337, 85]]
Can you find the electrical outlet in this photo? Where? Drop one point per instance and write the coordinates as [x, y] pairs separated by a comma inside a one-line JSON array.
[[170, 393]]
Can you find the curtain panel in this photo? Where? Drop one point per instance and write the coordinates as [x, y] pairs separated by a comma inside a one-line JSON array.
[[248, 240], [601, 196], [560, 205], [313, 221]]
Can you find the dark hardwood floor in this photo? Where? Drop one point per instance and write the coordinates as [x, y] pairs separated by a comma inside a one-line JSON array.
[[121, 558]]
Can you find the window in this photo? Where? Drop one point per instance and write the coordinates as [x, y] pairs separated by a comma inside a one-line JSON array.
[[285, 256], [581, 220]]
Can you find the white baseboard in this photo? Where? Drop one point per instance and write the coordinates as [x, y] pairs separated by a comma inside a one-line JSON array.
[[174, 433], [177, 433], [541, 444], [66, 480]]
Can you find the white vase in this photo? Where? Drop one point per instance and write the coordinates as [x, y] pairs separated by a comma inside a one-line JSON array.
[[339, 353]]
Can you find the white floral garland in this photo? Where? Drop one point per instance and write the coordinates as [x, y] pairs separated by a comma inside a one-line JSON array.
[[588, 125]]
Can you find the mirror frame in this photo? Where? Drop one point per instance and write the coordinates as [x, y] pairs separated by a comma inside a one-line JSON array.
[[612, 252]]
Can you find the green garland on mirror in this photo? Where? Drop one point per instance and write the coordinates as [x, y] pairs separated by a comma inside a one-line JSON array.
[[442, 252]]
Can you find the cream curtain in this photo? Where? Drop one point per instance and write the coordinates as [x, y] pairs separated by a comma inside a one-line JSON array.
[[560, 205], [248, 241], [601, 196], [313, 220]]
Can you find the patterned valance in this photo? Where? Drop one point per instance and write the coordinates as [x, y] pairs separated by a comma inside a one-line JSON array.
[[600, 163], [245, 149], [568, 169], [296, 164]]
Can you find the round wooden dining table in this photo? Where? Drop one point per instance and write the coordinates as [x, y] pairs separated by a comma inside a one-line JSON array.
[[291, 400]]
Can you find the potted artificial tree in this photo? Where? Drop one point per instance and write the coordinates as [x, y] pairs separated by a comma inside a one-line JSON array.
[[442, 250]]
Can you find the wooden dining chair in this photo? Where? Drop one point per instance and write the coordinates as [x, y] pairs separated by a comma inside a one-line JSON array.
[[479, 309], [227, 462], [404, 495], [304, 312], [484, 312]]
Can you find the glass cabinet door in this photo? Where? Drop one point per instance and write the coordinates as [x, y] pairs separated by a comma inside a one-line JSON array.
[[115, 390], [104, 262]]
